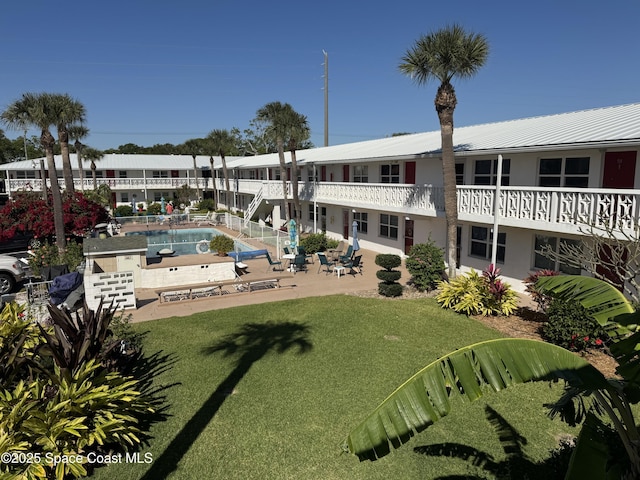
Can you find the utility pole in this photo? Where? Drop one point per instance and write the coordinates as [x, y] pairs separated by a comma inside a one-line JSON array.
[[326, 98]]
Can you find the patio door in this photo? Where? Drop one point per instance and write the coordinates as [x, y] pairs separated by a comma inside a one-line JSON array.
[[345, 224], [408, 236], [619, 170]]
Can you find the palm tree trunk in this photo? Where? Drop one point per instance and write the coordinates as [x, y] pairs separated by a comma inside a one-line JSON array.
[[48, 141], [445, 105], [67, 171], [78, 146], [43, 177], [283, 177], [294, 180], [195, 175], [225, 172], [213, 182], [93, 175]]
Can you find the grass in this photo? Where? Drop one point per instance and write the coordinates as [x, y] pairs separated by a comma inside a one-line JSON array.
[[277, 402]]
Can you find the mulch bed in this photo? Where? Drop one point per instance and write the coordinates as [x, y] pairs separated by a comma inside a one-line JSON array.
[[525, 323]]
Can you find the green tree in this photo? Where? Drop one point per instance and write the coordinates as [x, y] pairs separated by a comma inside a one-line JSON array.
[[491, 366], [274, 115], [195, 147], [92, 155], [38, 110], [442, 56], [222, 142], [66, 111], [77, 133], [298, 133]]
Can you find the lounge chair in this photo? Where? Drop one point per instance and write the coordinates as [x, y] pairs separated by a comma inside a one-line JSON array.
[[325, 262], [335, 253], [354, 264], [273, 263], [347, 256], [200, 219]]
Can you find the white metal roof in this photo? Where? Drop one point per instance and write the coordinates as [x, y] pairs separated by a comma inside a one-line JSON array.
[[602, 127]]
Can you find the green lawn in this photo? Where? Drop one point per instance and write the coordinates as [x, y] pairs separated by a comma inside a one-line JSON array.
[[279, 405]]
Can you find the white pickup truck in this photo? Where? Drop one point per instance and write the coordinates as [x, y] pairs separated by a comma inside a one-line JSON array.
[[11, 272]]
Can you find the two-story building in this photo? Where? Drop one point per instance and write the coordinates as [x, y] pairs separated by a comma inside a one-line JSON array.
[[560, 173]]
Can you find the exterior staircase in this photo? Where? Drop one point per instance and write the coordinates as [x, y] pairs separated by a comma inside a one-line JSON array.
[[253, 206]]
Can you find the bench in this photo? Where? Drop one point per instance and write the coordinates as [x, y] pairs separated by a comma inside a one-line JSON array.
[[212, 289]]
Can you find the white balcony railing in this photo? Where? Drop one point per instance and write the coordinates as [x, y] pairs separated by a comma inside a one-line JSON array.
[[555, 209]]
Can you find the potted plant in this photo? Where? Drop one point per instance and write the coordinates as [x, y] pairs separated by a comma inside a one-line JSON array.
[[221, 244]]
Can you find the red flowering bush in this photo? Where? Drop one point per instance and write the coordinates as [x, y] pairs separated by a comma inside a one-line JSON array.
[[541, 299], [29, 213], [571, 327]]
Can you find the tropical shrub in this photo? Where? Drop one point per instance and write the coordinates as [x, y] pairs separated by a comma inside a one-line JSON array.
[[473, 294], [123, 211], [47, 255], [425, 263], [317, 242], [154, 209], [570, 326], [207, 204], [221, 244], [541, 299], [389, 286]]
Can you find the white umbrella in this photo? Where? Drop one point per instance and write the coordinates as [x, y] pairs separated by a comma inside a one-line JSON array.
[[356, 244]]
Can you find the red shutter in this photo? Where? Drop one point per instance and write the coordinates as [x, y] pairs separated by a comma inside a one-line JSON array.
[[345, 173], [410, 172]]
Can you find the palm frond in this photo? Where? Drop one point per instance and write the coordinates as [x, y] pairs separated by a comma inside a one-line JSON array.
[[469, 373]]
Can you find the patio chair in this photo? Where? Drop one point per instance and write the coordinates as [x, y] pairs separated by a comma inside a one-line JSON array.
[[273, 263], [286, 250], [302, 251], [300, 263], [325, 262], [347, 256], [354, 264], [335, 253]]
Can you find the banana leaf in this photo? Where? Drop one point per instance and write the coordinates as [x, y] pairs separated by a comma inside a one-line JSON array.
[[469, 373], [602, 300]]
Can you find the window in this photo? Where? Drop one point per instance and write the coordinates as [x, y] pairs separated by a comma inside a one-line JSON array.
[[122, 174], [25, 174], [481, 243], [311, 217], [389, 226], [564, 172], [157, 196], [363, 221], [361, 173], [553, 243], [160, 174], [459, 173], [390, 173], [124, 197], [486, 172]]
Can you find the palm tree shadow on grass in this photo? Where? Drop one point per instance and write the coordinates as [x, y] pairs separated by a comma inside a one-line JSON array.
[[251, 343], [516, 463]]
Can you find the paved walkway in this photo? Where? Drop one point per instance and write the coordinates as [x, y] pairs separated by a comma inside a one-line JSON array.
[[299, 285]]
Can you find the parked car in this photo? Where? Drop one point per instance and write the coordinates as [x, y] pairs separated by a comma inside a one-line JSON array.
[[19, 243], [11, 273]]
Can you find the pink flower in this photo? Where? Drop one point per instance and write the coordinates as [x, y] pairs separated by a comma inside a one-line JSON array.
[[598, 341]]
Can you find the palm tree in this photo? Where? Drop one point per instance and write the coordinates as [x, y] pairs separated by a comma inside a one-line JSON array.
[[78, 132], [222, 142], [299, 132], [195, 147], [213, 183], [92, 154], [67, 111], [38, 110], [442, 56], [473, 371], [276, 116]]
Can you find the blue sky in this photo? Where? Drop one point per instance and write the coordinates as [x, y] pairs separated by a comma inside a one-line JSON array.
[[153, 71]]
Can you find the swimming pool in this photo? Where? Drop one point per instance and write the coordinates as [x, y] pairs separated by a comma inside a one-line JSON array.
[[184, 241]]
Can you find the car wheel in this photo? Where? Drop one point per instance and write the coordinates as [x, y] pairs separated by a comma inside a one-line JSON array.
[[6, 283]]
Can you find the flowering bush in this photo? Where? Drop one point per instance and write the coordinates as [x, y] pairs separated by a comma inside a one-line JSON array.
[[571, 327], [47, 255], [28, 213]]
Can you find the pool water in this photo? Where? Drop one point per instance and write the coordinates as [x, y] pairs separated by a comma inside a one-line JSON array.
[[184, 241]]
